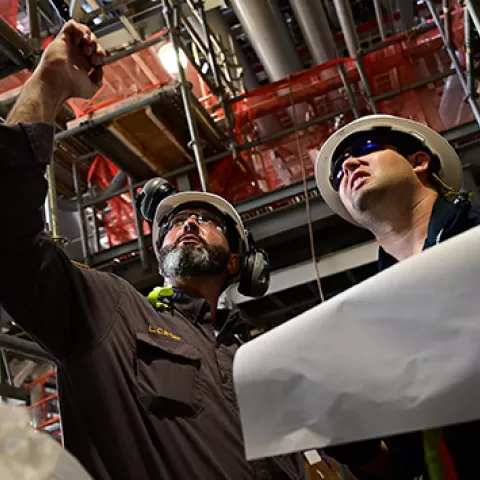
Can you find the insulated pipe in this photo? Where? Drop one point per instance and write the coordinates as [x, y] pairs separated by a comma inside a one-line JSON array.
[[266, 29], [349, 28], [313, 23]]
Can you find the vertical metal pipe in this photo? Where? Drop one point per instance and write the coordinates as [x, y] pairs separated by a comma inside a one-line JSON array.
[[221, 94], [474, 13], [139, 228], [366, 83], [447, 21], [348, 89], [172, 21], [220, 27], [313, 23], [52, 202], [468, 52], [32, 11], [96, 231], [379, 15], [83, 223], [451, 53], [349, 28], [265, 26]]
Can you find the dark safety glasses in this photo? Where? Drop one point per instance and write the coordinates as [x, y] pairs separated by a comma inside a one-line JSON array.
[[204, 219], [359, 148]]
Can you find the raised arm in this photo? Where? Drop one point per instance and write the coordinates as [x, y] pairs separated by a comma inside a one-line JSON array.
[[39, 287]]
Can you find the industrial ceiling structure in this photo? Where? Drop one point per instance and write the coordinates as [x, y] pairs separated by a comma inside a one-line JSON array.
[[234, 97]]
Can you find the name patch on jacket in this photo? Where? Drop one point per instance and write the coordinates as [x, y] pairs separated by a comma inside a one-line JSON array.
[[162, 331]]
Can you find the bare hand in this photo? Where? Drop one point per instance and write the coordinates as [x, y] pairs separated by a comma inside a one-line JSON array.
[[67, 66]]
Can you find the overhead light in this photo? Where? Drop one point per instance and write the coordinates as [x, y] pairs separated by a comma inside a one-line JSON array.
[[167, 56]]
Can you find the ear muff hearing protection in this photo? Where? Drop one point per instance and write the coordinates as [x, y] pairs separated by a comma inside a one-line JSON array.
[[153, 192], [254, 272]]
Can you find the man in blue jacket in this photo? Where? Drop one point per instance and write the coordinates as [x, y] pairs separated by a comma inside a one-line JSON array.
[[400, 180]]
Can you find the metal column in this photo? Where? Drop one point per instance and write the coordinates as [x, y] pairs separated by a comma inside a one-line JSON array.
[[139, 227], [220, 27], [474, 10], [81, 212], [453, 57], [52, 205], [172, 18], [349, 28], [266, 29], [379, 15], [313, 23]]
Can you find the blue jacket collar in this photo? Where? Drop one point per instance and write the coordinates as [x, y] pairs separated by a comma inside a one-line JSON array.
[[442, 225]]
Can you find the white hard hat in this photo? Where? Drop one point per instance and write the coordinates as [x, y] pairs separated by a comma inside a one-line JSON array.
[[450, 165], [173, 202]]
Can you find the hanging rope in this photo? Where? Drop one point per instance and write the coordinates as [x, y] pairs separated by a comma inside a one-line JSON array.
[[305, 190]]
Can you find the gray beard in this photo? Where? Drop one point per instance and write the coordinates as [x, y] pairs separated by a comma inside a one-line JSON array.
[[192, 261]]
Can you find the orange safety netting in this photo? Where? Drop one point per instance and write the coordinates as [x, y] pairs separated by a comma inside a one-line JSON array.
[[416, 59], [232, 178], [119, 221], [9, 12], [417, 63], [138, 73], [312, 94]]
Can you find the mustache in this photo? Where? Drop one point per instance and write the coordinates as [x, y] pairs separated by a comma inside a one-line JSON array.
[[200, 239]]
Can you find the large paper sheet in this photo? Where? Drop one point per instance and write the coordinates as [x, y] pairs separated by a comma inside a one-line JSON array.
[[399, 352]]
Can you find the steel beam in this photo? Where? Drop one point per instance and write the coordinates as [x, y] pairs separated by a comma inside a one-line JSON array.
[[25, 347]]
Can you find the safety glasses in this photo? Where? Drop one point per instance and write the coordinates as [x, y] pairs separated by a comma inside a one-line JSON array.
[[359, 148], [204, 219]]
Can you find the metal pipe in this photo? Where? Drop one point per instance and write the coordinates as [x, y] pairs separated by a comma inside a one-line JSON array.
[[81, 211], [474, 13], [413, 85], [472, 102], [142, 248], [313, 23], [348, 89], [349, 28], [265, 26], [197, 38], [13, 46], [173, 20], [426, 27], [447, 21], [220, 90], [220, 27], [379, 15], [32, 12], [468, 52], [6, 367], [52, 202], [366, 83], [96, 231], [136, 48], [25, 347]]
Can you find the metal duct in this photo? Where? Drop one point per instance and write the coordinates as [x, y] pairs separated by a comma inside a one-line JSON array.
[[266, 29], [313, 23], [218, 24], [349, 28]]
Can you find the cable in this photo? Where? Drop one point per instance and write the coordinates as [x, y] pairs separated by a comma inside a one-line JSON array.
[[307, 196]]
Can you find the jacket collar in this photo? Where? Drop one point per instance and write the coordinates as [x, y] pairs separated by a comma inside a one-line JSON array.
[[197, 310], [443, 216]]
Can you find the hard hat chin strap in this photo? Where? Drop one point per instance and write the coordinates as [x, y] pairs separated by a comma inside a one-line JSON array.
[[446, 190]]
